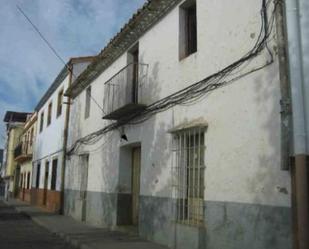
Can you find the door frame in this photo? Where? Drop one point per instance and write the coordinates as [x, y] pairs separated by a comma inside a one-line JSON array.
[[136, 169], [84, 164]]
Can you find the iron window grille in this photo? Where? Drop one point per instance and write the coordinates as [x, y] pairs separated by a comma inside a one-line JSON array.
[[188, 175]]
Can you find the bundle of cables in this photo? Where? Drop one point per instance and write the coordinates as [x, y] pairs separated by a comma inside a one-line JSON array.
[[197, 90]]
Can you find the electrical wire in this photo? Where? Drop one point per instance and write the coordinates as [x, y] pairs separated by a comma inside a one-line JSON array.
[[197, 90], [56, 53]]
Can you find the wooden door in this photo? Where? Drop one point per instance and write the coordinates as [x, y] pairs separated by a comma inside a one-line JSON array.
[[84, 185], [24, 186], [17, 177], [45, 183], [136, 168]]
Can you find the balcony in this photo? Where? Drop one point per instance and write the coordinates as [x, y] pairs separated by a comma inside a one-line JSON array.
[[18, 150], [123, 93], [22, 152]]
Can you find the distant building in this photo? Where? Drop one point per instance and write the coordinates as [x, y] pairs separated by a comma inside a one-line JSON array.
[[2, 184], [14, 127], [52, 113], [1, 159], [23, 156]]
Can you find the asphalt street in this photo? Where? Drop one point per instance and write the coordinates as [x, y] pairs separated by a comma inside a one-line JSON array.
[[17, 231]]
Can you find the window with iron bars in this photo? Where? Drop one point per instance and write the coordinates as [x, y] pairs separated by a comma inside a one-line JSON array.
[[188, 175]]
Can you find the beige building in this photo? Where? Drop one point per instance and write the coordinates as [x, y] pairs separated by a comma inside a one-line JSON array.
[[23, 157], [14, 127]]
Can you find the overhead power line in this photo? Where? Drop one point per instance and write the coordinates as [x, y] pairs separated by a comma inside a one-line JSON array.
[[55, 52], [196, 91]]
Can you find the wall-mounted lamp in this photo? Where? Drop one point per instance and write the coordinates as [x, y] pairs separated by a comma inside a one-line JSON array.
[[123, 135]]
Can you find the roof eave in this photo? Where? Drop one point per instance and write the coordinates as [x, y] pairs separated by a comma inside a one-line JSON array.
[[140, 23]]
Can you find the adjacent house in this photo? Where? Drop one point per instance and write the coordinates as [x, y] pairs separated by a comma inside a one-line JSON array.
[[23, 156], [2, 184], [52, 114], [1, 158], [177, 131], [14, 127]]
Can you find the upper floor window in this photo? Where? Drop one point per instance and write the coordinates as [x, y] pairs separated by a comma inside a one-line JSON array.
[[31, 136], [27, 142], [49, 113], [42, 121], [87, 103], [187, 29], [59, 102], [133, 57]]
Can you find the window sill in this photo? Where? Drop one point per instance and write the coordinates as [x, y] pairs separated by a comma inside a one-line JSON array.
[[183, 58], [190, 223]]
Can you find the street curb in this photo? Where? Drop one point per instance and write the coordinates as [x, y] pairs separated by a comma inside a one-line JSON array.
[[61, 235]]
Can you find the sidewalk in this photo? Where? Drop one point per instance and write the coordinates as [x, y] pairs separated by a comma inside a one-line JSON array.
[[80, 234]]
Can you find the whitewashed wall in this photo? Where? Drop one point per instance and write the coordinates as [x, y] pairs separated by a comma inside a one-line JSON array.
[[49, 142], [243, 137]]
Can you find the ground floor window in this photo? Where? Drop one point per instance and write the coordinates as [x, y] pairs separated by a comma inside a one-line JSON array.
[[188, 174]]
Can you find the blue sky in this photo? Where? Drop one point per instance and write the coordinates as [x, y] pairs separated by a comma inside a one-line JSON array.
[[73, 27]]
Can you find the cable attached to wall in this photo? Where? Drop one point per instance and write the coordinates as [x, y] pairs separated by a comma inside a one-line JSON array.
[[197, 90]]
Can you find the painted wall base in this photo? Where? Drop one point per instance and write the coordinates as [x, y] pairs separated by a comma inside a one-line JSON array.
[[24, 195], [53, 199], [227, 225]]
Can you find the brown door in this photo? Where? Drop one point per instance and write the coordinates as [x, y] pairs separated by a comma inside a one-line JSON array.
[[136, 169], [84, 185], [45, 183], [24, 186]]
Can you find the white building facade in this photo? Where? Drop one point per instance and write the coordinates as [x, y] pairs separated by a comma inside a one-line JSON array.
[[52, 112], [188, 148]]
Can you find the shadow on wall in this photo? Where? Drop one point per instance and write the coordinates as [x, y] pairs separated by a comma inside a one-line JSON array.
[[273, 225], [155, 206], [72, 170], [258, 225], [155, 174]]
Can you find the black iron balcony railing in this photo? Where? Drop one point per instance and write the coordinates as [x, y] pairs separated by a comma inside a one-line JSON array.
[[18, 150], [23, 151], [123, 93]]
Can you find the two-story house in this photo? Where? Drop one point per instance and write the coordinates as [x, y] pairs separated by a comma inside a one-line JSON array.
[[23, 156], [177, 131], [52, 112], [14, 127]]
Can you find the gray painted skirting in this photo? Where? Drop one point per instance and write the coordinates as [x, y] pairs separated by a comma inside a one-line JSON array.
[[228, 225]]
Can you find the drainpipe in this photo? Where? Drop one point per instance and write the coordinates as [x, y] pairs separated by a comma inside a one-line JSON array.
[[299, 115], [65, 139]]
